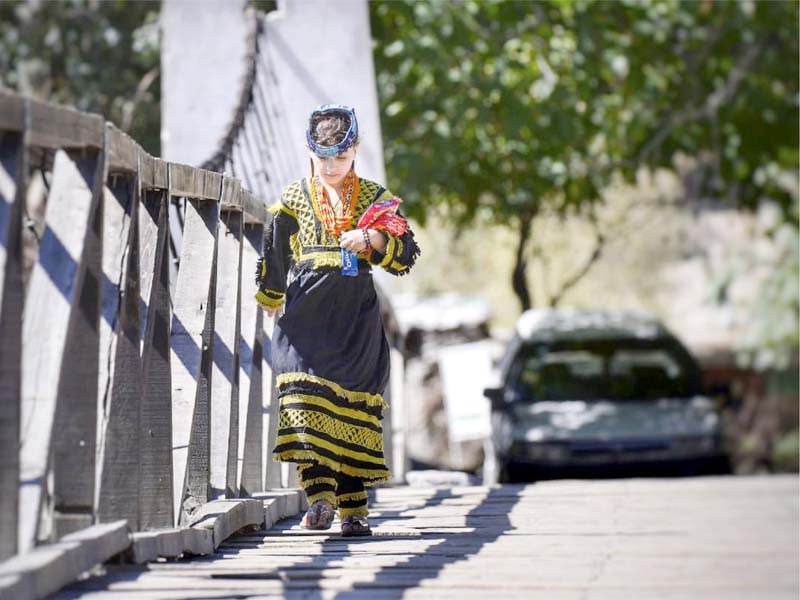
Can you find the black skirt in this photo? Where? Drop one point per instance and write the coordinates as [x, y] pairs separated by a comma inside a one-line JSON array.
[[331, 358]]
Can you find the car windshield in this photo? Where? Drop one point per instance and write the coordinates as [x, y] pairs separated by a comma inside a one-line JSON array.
[[608, 369]]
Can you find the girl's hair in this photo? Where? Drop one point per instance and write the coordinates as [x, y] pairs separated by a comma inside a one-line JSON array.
[[330, 128]]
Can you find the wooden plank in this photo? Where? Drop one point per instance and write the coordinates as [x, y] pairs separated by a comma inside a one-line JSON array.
[[231, 194], [123, 151], [13, 183], [153, 172], [74, 441], [272, 477], [192, 356], [54, 287], [170, 543], [191, 182], [251, 395], [12, 112], [198, 542], [394, 421], [225, 380], [55, 127], [119, 478], [117, 197], [227, 516], [290, 501], [149, 545], [255, 208], [155, 453], [48, 568]]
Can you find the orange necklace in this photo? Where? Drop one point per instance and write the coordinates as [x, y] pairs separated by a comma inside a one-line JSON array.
[[335, 224]]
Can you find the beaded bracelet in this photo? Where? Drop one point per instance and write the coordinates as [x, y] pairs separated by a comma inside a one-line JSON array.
[[367, 241]]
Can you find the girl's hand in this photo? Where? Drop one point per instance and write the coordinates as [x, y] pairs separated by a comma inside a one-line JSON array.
[[352, 240], [355, 240], [274, 312]]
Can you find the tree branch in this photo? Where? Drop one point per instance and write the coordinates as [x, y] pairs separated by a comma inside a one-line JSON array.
[[567, 285], [518, 280], [712, 104], [129, 108]]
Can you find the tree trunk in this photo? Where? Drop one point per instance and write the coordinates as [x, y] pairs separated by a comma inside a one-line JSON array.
[[519, 282]]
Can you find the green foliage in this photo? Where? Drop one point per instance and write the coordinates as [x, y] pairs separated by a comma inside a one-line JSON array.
[[97, 56], [497, 108]]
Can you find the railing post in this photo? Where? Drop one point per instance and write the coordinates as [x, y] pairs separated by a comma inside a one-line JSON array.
[[156, 508], [192, 356], [60, 336], [120, 381], [13, 184], [225, 413], [251, 386], [75, 434]]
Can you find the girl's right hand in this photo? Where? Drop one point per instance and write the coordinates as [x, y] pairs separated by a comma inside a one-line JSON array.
[[274, 312]]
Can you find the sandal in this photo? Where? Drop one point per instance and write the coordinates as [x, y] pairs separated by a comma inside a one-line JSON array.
[[353, 526], [319, 516]]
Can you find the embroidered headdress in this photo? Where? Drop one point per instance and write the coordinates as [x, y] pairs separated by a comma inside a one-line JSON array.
[[350, 138]]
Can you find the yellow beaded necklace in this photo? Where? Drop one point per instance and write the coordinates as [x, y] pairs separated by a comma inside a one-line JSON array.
[[335, 224]]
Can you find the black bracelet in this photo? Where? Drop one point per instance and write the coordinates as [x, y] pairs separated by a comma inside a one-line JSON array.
[[367, 241]]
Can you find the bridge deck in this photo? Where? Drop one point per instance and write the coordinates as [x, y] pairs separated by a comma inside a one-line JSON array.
[[682, 538]]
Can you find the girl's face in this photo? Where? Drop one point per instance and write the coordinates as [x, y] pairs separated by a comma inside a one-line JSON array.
[[332, 170]]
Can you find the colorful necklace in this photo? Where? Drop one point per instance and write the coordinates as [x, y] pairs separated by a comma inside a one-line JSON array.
[[335, 224]]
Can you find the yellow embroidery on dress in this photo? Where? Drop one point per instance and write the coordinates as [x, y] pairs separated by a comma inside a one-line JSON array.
[[352, 396], [327, 495], [322, 423], [294, 244], [356, 496], [397, 266], [281, 207], [330, 446], [291, 399], [387, 258], [270, 299], [307, 483], [332, 258], [371, 476]]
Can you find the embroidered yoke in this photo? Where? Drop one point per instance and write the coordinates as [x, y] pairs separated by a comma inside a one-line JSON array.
[[329, 349]]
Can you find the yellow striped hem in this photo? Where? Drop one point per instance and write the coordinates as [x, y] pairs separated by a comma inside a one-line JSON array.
[[369, 399], [291, 399], [371, 476], [311, 438], [327, 495], [360, 511], [318, 480], [355, 496]]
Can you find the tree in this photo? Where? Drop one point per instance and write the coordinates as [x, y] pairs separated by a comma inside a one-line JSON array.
[[97, 56], [496, 110]]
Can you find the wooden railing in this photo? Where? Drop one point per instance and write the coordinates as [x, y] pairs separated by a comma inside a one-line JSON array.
[[123, 394]]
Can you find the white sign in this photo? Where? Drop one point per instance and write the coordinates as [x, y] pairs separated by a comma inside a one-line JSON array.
[[466, 370]]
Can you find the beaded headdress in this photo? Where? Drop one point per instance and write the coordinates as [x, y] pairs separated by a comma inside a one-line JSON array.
[[349, 139]]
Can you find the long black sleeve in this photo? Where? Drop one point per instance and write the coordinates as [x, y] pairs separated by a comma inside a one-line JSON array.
[[277, 259]]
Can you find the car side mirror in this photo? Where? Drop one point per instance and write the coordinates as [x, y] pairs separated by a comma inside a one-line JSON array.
[[496, 398], [722, 391]]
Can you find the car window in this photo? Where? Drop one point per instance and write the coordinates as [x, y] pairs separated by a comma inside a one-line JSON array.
[[613, 370]]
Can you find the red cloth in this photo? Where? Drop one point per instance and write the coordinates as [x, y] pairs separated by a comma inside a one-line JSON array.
[[382, 215]]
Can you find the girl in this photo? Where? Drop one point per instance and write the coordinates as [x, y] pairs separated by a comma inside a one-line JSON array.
[[329, 349]]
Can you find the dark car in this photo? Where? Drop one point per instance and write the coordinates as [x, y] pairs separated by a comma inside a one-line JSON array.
[[589, 392]]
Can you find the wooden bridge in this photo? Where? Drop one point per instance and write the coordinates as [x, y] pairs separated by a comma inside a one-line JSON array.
[[135, 396], [135, 372]]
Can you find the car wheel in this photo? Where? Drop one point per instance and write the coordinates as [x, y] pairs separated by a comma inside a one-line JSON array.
[[511, 472]]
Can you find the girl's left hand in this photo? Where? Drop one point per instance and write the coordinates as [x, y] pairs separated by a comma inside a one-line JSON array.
[[353, 240]]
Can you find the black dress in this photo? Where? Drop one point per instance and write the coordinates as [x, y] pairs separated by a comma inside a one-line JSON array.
[[329, 349]]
